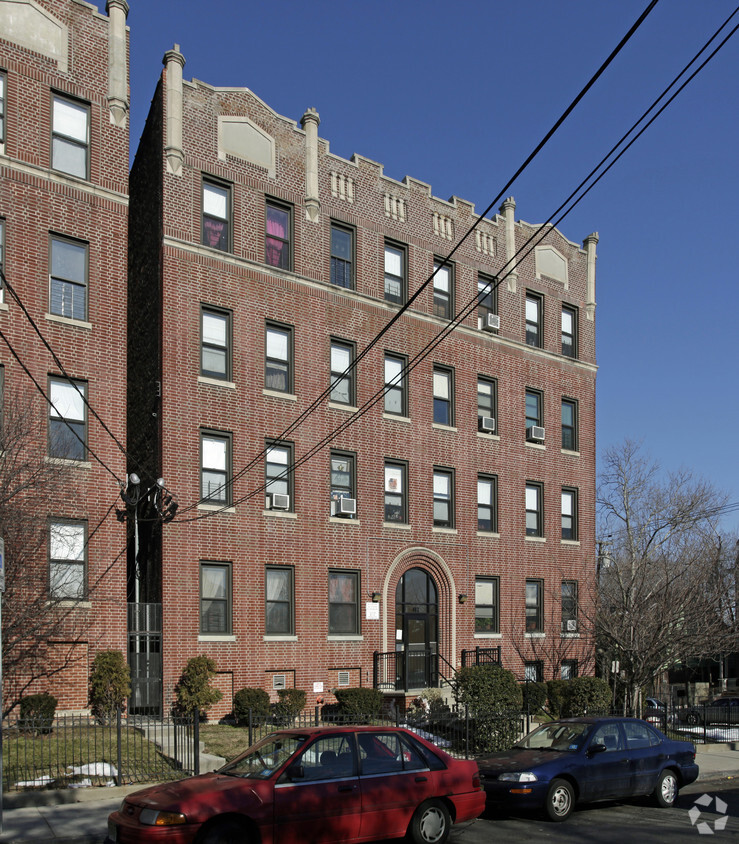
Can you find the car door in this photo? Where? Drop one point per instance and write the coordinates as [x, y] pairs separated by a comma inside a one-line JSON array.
[[607, 773], [645, 754], [395, 780], [318, 797]]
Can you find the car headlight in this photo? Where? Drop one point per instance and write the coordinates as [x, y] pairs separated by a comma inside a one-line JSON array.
[[519, 776], [153, 817]]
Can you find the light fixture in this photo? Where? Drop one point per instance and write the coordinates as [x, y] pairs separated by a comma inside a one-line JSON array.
[[376, 597], [462, 598]]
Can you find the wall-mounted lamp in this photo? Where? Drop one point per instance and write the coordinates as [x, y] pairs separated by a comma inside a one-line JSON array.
[[462, 598], [376, 597]]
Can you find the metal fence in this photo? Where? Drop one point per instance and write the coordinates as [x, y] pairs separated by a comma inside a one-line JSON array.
[[75, 752]]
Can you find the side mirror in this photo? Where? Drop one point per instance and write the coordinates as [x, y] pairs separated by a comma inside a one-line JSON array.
[[596, 748], [295, 772]]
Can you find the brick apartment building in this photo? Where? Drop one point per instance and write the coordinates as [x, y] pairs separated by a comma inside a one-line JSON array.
[[64, 146], [339, 526]]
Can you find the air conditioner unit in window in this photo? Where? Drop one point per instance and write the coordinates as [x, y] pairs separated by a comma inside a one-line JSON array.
[[490, 322], [535, 433], [345, 507], [279, 502], [572, 625], [486, 424]]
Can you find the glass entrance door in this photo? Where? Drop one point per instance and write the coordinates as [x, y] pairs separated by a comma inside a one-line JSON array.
[[416, 623]]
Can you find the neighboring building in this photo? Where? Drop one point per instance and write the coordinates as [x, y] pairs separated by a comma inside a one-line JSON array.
[[64, 147], [456, 513]]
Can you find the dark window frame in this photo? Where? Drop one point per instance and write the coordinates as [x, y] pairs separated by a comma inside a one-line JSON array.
[[337, 489], [64, 435], [569, 596], [534, 608], [337, 375], [538, 530], [573, 666], [566, 402], [398, 387], [289, 362], [490, 408], [402, 279], [487, 303], [339, 264], [443, 406], [534, 328], [223, 491], [487, 622], [226, 348], [227, 602], [531, 419], [289, 628], [447, 500], [70, 561], [573, 529], [402, 494], [3, 104], [287, 240], [69, 140], [334, 606], [443, 301], [67, 281], [3, 226], [533, 667], [225, 238], [572, 351], [271, 479], [492, 507]]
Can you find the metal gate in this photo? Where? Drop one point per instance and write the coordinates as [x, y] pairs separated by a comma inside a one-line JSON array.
[[145, 658]]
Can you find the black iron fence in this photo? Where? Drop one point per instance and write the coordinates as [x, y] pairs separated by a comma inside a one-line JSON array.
[[75, 752]]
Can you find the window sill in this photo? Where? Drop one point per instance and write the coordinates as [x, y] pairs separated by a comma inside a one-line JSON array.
[[277, 394], [207, 637], [437, 426], [574, 542], [487, 636], [70, 603], [483, 436], [536, 446], [217, 508], [570, 635], [4, 306], [491, 534], [279, 638], [338, 520], [536, 539], [349, 637], [570, 452], [349, 408], [392, 417], [451, 531], [216, 382], [77, 323], [280, 514], [534, 635], [63, 461], [396, 525]]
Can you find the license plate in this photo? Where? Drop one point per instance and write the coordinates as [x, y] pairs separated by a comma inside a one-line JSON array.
[[112, 831]]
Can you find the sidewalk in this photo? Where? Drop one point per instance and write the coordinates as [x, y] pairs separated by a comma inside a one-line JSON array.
[[81, 815]]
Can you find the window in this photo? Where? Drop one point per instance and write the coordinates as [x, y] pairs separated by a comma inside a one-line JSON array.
[[67, 560], [215, 352], [487, 503], [534, 402], [67, 419], [2, 109], [443, 498], [216, 214], [534, 307], [395, 273], [342, 256], [277, 235], [534, 606], [443, 396], [569, 513], [68, 280], [342, 478], [569, 331], [278, 463], [486, 605], [534, 510], [569, 606], [215, 598], [396, 497], [342, 379], [396, 397], [2, 258], [487, 405], [70, 136], [215, 456], [487, 296], [279, 604], [443, 290], [278, 358], [568, 669], [533, 671], [343, 603], [569, 425]]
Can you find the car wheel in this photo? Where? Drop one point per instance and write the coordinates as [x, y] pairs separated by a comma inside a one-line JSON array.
[[430, 823], [692, 719], [560, 800], [224, 832], [666, 790]]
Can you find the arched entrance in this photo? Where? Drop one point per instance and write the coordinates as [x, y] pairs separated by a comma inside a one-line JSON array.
[[417, 630]]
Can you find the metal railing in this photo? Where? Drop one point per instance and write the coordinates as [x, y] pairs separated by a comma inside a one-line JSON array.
[[481, 656]]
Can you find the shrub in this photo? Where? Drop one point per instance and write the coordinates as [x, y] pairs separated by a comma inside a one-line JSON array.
[[586, 695], [534, 696], [359, 702], [110, 685], [37, 712], [194, 693], [556, 694], [290, 704], [487, 687], [428, 707], [256, 700]]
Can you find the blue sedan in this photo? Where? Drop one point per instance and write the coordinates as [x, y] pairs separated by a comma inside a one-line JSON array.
[[583, 760]]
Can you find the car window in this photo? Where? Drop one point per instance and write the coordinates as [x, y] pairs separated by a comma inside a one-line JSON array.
[[385, 753], [564, 736], [328, 757], [609, 735], [264, 758], [639, 736]]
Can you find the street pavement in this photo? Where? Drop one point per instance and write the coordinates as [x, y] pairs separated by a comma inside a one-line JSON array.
[[81, 815]]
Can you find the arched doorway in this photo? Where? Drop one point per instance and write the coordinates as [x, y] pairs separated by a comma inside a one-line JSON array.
[[417, 630]]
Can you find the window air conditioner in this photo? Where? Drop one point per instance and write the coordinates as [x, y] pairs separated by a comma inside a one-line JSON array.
[[572, 625], [280, 502], [486, 423], [345, 507], [490, 322], [535, 432]]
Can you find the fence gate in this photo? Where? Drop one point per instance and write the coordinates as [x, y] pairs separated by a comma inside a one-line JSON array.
[[145, 658]]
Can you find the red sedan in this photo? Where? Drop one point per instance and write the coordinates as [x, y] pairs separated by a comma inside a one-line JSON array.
[[318, 784]]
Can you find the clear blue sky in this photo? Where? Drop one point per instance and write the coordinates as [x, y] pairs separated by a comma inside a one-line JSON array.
[[458, 94]]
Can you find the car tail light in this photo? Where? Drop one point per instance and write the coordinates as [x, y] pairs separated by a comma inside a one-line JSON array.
[[476, 782]]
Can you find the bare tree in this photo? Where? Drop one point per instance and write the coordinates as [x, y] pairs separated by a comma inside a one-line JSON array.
[[661, 594], [39, 632]]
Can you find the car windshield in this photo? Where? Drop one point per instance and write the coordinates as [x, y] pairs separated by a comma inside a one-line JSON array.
[[556, 736], [264, 758]]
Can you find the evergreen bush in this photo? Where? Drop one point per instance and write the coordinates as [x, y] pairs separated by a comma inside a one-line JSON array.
[[37, 712], [110, 685], [194, 692], [488, 687], [556, 694], [534, 697], [256, 700], [359, 703], [290, 704], [586, 696]]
